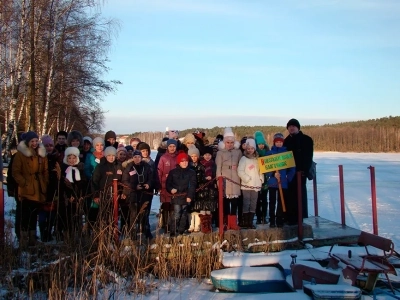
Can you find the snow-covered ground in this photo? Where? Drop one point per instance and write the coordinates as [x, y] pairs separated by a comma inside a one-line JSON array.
[[357, 191]]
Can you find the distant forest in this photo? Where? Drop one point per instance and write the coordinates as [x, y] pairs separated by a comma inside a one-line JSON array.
[[376, 135]]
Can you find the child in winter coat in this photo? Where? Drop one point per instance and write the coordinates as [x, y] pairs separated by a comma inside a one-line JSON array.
[[282, 177], [252, 180], [227, 161], [262, 201], [181, 183], [196, 206], [73, 188], [211, 201]]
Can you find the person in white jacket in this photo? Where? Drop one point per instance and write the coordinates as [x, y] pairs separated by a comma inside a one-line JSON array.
[[251, 182]]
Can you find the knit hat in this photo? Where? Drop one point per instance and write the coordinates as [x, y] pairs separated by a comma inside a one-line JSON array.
[[259, 137], [208, 149], [110, 150], [143, 146], [71, 151], [74, 135], [88, 139], [250, 142], [136, 152], [121, 148], [189, 138], [243, 140], [29, 135], [47, 140], [110, 134], [199, 134], [171, 141], [193, 150], [293, 122], [182, 156], [278, 137], [228, 133], [98, 140], [129, 148]]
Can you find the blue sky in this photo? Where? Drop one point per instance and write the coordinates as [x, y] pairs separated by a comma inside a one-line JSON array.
[[207, 63]]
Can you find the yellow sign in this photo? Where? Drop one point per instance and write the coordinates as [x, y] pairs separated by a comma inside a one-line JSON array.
[[276, 162]]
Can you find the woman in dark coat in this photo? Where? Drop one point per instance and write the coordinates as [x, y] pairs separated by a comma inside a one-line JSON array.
[[138, 182], [73, 187], [102, 181]]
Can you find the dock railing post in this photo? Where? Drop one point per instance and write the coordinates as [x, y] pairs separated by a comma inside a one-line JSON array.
[[315, 195], [373, 198], [342, 207], [115, 202], [221, 205], [300, 206]]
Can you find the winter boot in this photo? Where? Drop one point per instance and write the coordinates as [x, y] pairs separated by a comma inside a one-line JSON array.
[[32, 238], [24, 240], [250, 218], [232, 222], [244, 225], [205, 223], [43, 232]]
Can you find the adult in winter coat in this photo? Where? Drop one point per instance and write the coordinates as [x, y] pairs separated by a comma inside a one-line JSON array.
[[227, 161], [73, 187], [302, 147], [161, 150], [251, 179], [181, 183], [102, 180], [138, 182], [110, 139], [165, 165], [284, 176], [30, 171], [48, 211]]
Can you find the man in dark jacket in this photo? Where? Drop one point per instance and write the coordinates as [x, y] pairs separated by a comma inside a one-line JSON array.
[[302, 147]]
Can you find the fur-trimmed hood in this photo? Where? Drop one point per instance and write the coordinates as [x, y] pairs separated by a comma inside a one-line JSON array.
[[221, 145], [24, 149]]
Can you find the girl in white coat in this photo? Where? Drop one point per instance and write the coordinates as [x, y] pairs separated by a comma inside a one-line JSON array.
[[252, 180]]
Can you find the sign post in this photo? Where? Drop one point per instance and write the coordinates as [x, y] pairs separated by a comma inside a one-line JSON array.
[[277, 162]]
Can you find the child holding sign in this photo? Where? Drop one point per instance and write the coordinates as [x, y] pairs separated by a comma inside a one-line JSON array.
[[276, 179]]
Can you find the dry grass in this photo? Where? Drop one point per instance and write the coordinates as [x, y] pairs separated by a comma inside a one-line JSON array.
[[86, 263]]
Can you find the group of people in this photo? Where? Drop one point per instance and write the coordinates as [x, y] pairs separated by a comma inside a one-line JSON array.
[[56, 184]]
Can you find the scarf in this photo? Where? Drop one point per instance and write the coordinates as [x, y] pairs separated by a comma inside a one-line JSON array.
[[98, 154], [69, 174]]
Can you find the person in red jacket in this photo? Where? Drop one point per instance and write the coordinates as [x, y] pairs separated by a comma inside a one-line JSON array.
[[165, 165]]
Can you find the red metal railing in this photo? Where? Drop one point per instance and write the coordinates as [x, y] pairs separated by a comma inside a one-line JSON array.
[[373, 198]]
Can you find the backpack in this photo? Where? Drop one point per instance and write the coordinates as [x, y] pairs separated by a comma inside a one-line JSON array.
[[312, 172]]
